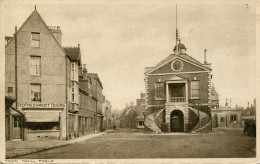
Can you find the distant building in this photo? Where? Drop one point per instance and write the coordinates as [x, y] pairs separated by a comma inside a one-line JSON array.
[[140, 109], [226, 117], [250, 111], [87, 107], [107, 112], [97, 94], [128, 117]]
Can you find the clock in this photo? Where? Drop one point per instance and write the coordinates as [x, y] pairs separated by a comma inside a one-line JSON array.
[[177, 65]]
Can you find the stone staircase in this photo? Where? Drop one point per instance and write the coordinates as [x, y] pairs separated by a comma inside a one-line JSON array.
[[200, 124], [203, 128], [150, 123], [204, 122]]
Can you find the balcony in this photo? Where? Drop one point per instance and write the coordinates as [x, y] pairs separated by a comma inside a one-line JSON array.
[[177, 99], [176, 92]]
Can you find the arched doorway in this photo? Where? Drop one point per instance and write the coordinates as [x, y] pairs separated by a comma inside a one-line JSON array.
[[177, 121]]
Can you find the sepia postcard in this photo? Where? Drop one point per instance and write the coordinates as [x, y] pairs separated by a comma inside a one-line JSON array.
[[129, 81]]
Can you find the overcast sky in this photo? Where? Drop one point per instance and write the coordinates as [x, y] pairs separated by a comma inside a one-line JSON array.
[[118, 40]]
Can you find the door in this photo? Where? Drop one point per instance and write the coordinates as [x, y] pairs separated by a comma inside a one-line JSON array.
[[177, 121], [17, 127]]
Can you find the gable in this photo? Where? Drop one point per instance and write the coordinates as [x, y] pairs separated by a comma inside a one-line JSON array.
[[34, 23], [187, 67]]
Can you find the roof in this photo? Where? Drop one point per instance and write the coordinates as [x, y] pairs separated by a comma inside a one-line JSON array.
[[226, 109], [180, 46], [214, 94], [73, 53], [95, 76]]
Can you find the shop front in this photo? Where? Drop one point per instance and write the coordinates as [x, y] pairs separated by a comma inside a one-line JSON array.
[[43, 121]]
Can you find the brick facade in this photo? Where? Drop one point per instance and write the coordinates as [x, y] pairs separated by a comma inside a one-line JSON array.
[[177, 107]]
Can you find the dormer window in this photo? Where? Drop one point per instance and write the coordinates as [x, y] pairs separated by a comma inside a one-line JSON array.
[[35, 39]]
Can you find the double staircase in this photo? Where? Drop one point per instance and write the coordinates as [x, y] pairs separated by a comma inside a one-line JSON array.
[[200, 122]]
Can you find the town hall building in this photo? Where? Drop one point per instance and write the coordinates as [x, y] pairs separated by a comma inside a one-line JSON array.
[[178, 93]]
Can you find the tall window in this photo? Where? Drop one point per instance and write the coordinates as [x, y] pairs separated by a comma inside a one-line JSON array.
[[222, 119], [35, 39], [74, 71], [74, 93], [36, 92], [159, 90], [233, 118], [35, 65], [195, 89]]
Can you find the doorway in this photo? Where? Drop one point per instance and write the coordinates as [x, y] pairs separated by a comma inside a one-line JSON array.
[[17, 127], [177, 121]]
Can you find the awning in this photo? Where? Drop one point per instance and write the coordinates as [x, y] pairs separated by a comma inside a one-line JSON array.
[[42, 116]]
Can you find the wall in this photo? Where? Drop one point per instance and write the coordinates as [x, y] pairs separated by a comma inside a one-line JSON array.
[[203, 77]]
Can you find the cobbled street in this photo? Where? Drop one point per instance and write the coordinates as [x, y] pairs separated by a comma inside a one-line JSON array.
[[127, 143]]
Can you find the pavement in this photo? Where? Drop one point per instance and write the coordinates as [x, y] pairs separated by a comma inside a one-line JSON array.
[[18, 148]]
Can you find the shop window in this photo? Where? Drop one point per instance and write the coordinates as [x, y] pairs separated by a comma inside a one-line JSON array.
[[35, 39], [233, 118], [159, 90], [43, 126], [36, 92], [35, 65], [195, 89]]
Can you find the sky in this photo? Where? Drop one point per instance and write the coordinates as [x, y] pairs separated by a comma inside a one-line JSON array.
[[120, 38]]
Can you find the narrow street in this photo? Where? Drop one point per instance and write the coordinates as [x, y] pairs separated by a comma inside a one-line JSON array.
[[127, 143]]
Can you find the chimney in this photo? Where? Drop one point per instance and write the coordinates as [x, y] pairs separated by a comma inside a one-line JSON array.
[[131, 103], [205, 56], [78, 45], [56, 32], [226, 104], [85, 68], [248, 104]]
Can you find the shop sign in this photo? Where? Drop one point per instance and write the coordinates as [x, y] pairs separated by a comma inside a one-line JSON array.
[[40, 105]]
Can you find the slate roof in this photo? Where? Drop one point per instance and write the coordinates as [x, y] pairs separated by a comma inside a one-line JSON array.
[[73, 53], [95, 75]]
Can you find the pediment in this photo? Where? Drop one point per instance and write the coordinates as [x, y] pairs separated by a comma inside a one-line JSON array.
[[166, 66], [176, 78]]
